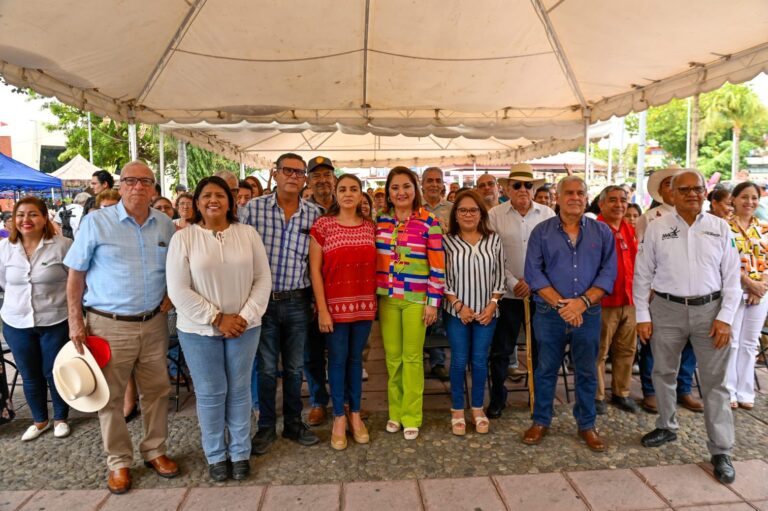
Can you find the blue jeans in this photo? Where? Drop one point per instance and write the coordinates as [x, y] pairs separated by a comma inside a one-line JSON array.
[[255, 384], [552, 335], [473, 339], [684, 376], [314, 366], [34, 350], [345, 364], [220, 369], [284, 330]]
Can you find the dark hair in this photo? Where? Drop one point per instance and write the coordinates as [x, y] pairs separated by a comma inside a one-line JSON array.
[[370, 204], [245, 184], [291, 156], [483, 227], [632, 205], [48, 229], [403, 171], [334, 209], [184, 195], [543, 188], [216, 181], [158, 199], [718, 194], [158, 189], [255, 185], [104, 177], [743, 186]]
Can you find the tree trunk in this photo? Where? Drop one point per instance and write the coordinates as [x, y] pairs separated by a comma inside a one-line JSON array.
[[735, 150], [694, 132]]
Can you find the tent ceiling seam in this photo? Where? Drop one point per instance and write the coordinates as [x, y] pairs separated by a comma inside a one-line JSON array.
[[562, 58], [186, 23], [365, 104]]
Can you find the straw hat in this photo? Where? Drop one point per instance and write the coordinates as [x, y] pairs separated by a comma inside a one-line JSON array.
[[79, 379], [521, 172], [655, 179]]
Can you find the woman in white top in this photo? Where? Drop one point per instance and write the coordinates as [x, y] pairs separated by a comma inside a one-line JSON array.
[[219, 281], [474, 283], [34, 311]]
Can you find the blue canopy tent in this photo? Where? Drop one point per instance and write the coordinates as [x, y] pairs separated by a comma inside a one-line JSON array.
[[16, 176]]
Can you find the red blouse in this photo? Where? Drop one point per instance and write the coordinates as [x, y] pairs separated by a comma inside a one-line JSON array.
[[349, 268]]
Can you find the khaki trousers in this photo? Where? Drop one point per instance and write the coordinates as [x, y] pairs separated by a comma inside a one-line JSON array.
[[138, 347], [617, 336]]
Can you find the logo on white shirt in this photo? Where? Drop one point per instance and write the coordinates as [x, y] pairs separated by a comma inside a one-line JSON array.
[[671, 235]]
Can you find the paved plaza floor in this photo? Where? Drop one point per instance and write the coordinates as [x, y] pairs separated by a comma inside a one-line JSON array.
[[437, 471]]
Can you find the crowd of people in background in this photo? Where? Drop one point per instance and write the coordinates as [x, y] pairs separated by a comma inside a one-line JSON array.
[[285, 285]]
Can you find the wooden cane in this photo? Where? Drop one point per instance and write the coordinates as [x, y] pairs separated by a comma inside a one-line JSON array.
[[528, 351]]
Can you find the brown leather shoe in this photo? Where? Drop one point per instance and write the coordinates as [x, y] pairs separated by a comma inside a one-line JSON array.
[[649, 404], [691, 403], [164, 466], [534, 434], [317, 415], [592, 439], [119, 481]]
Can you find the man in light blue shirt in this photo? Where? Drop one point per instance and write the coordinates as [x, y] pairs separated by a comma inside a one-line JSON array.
[[120, 255]]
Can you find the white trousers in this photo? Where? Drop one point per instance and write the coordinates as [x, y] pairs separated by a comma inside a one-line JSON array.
[[745, 339]]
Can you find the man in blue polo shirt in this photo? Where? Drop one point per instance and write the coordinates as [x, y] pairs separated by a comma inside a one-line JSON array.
[[117, 271], [570, 264]]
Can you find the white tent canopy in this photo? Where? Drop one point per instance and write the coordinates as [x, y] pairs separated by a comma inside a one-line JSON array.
[[76, 169], [510, 69]]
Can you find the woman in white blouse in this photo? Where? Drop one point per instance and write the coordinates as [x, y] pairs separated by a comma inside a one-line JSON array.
[[219, 281], [34, 311], [474, 283]]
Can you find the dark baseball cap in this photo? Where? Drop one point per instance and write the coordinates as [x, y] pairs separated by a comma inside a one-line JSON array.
[[319, 161]]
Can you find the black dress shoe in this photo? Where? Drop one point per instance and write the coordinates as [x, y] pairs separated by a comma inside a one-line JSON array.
[[219, 471], [600, 407], [625, 403], [263, 440], [658, 437], [724, 471], [300, 433], [240, 470], [494, 410]]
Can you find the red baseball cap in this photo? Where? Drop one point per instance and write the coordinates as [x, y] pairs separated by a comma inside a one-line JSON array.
[[99, 349]]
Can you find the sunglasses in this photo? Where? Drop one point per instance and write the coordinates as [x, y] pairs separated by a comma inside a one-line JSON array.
[[527, 184], [297, 173]]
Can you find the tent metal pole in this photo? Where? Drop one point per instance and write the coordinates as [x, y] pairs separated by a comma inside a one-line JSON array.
[[90, 140], [610, 152], [183, 163], [586, 147], [242, 167], [133, 150], [161, 153], [641, 156], [688, 137]]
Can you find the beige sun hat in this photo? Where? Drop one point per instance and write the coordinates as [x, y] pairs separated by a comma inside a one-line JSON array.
[[79, 379], [521, 172], [655, 179]]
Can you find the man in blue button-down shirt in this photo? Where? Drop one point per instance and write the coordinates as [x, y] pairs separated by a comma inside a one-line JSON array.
[[120, 255], [570, 264]]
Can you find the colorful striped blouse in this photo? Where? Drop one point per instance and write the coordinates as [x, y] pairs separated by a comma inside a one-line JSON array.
[[752, 245], [410, 263]]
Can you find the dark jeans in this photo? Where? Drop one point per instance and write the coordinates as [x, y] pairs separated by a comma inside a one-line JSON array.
[[34, 350], [684, 376], [436, 355], [284, 329], [552, 335], [345, 364], [314, 366], [511, 319], [470, 344]]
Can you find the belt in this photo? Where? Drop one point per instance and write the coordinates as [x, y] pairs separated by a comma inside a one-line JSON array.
[[287, 295], [690, 300], [139, 318]]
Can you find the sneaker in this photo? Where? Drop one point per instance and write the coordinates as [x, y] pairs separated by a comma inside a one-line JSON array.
[[263, 440], [33, 432], [300, 433], [61, 430]]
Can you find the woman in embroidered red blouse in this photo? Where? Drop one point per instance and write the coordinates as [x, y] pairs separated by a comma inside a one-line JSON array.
[[342, 262]]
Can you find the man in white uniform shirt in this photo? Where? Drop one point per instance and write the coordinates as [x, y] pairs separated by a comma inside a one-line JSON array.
[[513, 221], [690, 262]]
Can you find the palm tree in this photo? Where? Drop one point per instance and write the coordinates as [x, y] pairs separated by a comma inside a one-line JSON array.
[[732, 107]]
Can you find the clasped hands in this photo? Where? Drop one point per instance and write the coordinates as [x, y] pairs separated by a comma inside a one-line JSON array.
[[231, 325], [467, 315], [571, 311]]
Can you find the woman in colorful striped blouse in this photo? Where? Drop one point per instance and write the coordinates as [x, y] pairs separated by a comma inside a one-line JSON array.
[[409, 277], [474, 284], [751, 239]]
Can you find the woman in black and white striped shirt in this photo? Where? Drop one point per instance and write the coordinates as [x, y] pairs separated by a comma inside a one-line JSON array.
[[474, 283]]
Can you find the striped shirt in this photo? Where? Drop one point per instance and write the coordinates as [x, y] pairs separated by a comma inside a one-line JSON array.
[[473, 273], [286, 243], [410, 263]]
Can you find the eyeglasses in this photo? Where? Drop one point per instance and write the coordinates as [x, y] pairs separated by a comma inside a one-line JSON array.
[[288, 172], [685, 190], [133, 181], [528, 185], [468, 211]]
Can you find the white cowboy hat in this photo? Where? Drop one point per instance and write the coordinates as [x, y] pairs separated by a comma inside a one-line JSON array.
[[79, 379], [655, 179], [521, 172]]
